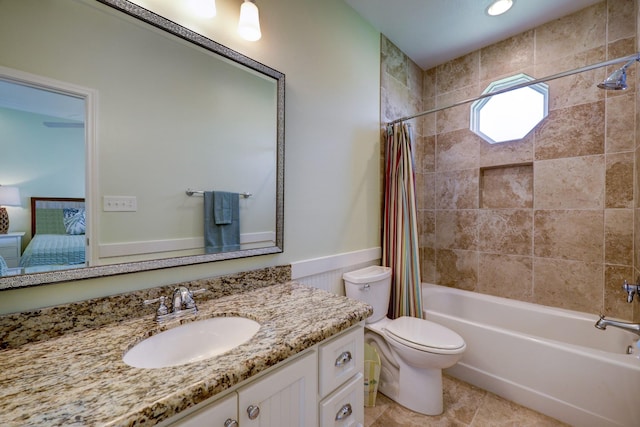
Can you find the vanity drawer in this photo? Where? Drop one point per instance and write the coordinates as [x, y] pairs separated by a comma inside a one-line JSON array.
[[340, 359], [345, 407]]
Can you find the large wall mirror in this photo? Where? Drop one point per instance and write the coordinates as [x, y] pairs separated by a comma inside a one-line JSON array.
[[135, 117]]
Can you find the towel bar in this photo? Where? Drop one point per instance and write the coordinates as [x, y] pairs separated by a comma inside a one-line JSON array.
[[191, 192]]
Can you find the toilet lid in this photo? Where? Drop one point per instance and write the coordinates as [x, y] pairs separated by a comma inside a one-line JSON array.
[[423, 335]]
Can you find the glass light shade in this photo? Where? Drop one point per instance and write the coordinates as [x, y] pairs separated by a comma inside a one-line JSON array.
[[499, 7], [9, 196], [204, 8], [249, 23]]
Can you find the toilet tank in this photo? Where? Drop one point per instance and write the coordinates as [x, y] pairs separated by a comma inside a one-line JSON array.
[[371, 285]]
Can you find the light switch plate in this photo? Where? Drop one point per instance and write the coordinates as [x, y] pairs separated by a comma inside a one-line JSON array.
[[119, 203]]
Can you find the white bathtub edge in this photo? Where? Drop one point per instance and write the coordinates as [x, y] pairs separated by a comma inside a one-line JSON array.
[[512, 359]]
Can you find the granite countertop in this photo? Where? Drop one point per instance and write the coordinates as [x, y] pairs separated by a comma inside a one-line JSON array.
[[79, 379]]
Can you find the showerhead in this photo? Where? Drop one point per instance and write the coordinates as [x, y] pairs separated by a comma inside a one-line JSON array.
[[618, 79]]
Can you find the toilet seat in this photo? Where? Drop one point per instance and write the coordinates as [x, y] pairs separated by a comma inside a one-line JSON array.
[[423, 335]]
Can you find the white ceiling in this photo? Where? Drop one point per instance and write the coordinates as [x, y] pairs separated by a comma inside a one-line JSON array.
[[40, 101], [432, 32]]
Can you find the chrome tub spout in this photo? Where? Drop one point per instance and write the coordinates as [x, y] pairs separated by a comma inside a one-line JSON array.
[[602, 323]]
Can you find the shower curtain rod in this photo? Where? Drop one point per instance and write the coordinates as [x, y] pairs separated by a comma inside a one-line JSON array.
[[635, 57]]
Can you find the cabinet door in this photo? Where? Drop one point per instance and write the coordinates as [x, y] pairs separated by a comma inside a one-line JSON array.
[[285, 398], [215, 414]]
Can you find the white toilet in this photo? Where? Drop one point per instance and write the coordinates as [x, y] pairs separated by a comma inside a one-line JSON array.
[[412, 351]]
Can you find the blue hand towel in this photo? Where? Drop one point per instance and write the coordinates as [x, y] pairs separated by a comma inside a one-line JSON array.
[[223, 236], [222, 210]]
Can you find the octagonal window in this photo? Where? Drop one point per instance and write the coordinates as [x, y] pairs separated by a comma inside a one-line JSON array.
[[510, 115]]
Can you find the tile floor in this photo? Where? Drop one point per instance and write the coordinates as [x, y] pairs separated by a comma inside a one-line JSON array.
[[464, 406]]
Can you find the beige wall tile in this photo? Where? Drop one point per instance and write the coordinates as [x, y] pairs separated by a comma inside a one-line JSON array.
[[457, 190], [458, 269], [615, 299], [618, 236], [636, 182], [568, 284], [507, 57], [460, 72], [457, 150], [506, 276], [395, 99], [429, 84], [636, 239], [578, 88], [507, 153], [421, 191], [414, 78], [428, 121], [425, 154], [622, 16], [574, 33], [618, 49], [394, 61], [426, 228], [573, 183], [619, 178], [428, 265], [570, 132], [456, 229], [574, 234], [620, 123], [507, 187], [505, 231], [454, 118]]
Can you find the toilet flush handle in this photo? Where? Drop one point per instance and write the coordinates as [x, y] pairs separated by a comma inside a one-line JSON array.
[[366, 287]]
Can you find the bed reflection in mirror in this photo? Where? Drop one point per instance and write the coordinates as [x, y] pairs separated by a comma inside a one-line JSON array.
[[43, 145], [58, 227]]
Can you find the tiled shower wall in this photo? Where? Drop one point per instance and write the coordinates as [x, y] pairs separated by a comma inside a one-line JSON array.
[[547, 219]]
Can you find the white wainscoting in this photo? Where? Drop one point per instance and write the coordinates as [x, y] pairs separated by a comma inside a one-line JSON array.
[[247, 241], [326, 272]]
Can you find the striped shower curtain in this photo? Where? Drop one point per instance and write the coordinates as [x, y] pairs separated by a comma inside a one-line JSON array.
[[400, 226]]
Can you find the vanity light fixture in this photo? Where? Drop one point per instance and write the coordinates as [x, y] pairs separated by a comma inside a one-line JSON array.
[[9, 196], [204, 8], [498, 7], [249, 23]]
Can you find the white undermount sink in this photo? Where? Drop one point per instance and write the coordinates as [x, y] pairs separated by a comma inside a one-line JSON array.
[[191, 342]]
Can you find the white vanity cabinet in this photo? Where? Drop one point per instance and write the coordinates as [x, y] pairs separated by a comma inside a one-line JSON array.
[[221, 413], [323, 387], [341, 380], [285, 397]]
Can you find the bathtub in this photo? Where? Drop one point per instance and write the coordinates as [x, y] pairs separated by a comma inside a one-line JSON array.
[[551, 360]]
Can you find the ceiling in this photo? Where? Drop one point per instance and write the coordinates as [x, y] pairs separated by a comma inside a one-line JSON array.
[[432, 32], [40, 101]]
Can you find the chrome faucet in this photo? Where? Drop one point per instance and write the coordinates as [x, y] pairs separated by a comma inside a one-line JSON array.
[[183, 304], [602, 323], [183, 300], [631, 290]]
